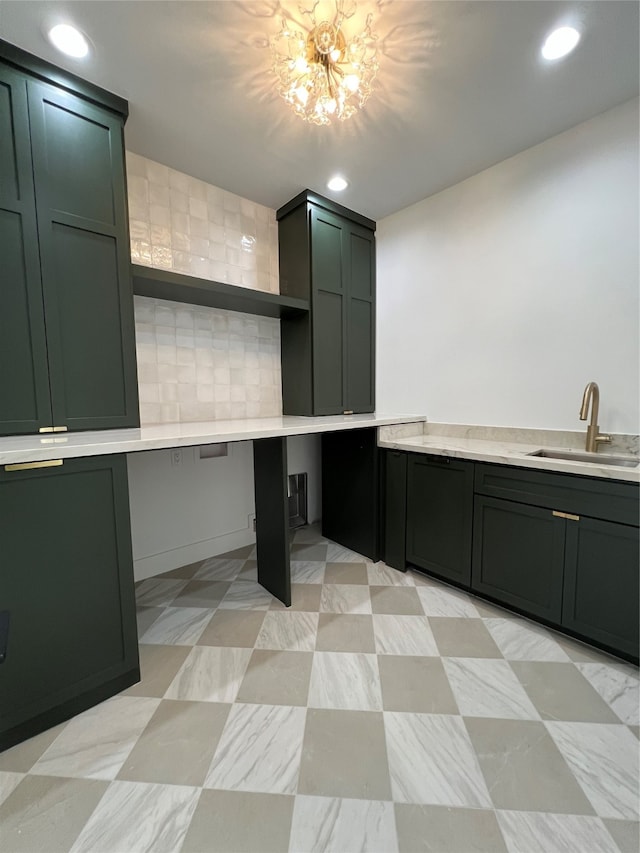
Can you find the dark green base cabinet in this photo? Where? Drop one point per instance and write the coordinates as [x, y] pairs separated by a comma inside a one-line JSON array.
[[439, 513], [66, 592]]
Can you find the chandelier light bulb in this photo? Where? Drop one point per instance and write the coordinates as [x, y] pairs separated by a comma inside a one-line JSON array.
[[326, 72]]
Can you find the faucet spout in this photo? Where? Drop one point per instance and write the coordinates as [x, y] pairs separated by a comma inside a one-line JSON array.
[[592, 395]]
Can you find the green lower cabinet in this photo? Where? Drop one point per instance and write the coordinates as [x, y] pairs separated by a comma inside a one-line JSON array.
[[394, 515], [518, 556], [439, 516], [601, 583], [67, 607]]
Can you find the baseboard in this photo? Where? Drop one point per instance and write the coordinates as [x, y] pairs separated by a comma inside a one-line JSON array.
[[156, 564]]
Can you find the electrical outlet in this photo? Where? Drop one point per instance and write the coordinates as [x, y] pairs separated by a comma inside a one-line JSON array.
[[176, 456], [252, 523]]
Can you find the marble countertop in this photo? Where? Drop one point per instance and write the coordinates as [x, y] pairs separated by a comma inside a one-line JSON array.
[[508, 453], [36, 448]]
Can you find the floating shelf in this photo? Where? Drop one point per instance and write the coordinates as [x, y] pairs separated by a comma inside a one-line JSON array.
[[162, 284]]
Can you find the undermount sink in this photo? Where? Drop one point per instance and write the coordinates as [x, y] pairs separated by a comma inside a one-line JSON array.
[[596, 458]]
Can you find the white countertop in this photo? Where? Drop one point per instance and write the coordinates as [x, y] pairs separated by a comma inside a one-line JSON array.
[[36, 448], [508, 453]]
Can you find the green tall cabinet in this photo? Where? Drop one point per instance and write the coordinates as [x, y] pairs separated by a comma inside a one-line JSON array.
[[67, 344], [327, 255]]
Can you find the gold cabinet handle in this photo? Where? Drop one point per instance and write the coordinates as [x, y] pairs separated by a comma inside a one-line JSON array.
[[566, 515], [28, 466]]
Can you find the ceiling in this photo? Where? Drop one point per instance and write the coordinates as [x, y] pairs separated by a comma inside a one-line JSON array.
[[461, 86]]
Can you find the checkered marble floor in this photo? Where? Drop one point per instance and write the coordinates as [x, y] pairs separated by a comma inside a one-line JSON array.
[[381, 712]]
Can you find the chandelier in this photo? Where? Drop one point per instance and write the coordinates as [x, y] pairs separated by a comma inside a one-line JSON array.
[[323, 72]]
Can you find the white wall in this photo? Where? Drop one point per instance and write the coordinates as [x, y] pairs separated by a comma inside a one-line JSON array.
[[501, 297]]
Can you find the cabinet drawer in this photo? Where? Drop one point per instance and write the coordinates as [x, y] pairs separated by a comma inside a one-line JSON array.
[[597, 498]]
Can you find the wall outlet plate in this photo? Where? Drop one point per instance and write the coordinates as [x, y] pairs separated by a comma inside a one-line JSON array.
[[176, 456], [252, 522]]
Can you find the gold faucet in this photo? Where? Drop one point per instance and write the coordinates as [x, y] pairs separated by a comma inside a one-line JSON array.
[[592, 394]]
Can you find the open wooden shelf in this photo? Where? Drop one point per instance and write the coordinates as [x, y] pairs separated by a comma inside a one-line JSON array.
[[162, 284]]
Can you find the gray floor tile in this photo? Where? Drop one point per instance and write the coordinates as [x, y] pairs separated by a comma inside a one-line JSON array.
[[311, 533], [146, 616], [8, 783], [463, 638], [210, 674], [304, 596], [582, 653], [415, 684], [488, 688], [156, 592], [305, 551], [158, 667], [345, 632], [177, 626], [560, 692], [199, 593], [404, 635], [331, 825], [344, 755], [554, 833], [626, 834], [621, 690], [346, 573], [22, 757], [239, 628], [345, 598], [339, 554], [442, 829], [135, 816], [276, 678], [45, 814], [183, 572], [604, 759], [380, 574], [241, 822], [177, 745], [295, 632], [275, 733], [432, 762], [345, 680], [635, 730], [249, 572], [397, 601], [523, 768], [95, 744]]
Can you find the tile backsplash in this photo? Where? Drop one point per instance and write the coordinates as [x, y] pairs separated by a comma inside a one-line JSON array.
[[197, 363]]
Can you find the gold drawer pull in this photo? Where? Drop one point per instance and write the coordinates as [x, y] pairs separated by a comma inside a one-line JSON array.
[[28, 466], [566, 515]]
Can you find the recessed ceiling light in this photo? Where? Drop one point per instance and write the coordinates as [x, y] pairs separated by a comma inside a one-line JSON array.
[[337, 184], [560, 42], [69, 40]]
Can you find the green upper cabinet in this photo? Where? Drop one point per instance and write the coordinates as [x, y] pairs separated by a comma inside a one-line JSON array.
[[64, 231], [327, 255]]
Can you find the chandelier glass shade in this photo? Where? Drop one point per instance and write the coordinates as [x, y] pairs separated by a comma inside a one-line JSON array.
[[323, 72]]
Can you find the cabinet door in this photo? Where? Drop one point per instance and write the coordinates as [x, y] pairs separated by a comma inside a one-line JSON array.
[[82, 226], [24, 380], [439, 516], [601, 583], [67, 584], [329, 313], [394, 516], [518, 556], [360, 333]]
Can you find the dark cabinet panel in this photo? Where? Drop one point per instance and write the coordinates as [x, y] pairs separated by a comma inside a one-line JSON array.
[[394, 517], [518, 556], [327, 254], [350, 490], [601, 583], [439, 516], [67, 585], [79, 188], [25, 403]]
